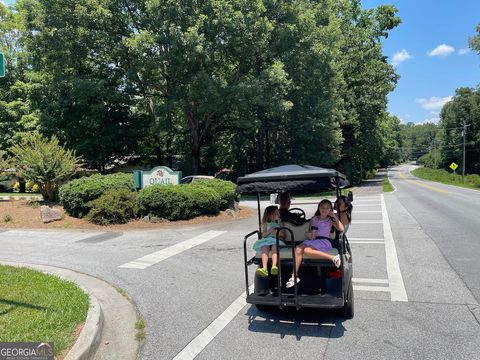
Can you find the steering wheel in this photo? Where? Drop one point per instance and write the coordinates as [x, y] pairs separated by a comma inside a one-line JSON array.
[[298, 211]]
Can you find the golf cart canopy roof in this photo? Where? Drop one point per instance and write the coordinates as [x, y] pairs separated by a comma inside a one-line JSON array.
[[291, 178]]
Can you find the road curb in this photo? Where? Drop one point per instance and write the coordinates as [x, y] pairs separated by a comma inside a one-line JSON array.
[[87, 343], [89, 339]]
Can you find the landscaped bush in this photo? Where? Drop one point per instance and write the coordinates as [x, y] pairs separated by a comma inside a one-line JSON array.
[[6, 183], [204, 200], [76, 195], [226, 190], [114, 207], [178, 202], [170, 202]]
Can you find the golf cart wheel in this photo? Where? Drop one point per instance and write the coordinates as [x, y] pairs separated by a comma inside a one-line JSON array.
[[348, 308]]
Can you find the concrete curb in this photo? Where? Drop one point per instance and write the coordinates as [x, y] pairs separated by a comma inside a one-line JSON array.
[[89, 339], [87, 343]]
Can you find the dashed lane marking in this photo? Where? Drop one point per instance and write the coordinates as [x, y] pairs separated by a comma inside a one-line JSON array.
[[371, 288], [368, 222], [370, 281], [156, 257]]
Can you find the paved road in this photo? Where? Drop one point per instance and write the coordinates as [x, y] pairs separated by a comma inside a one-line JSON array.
[[415, 290]]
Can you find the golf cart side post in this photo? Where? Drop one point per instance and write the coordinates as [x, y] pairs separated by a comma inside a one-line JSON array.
[[295, 178]]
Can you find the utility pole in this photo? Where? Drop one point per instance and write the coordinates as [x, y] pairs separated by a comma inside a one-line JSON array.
[[464, 132]]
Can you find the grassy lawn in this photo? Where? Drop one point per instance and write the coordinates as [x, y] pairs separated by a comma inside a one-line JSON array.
[[446, 177], [387, 187], [39, 307]]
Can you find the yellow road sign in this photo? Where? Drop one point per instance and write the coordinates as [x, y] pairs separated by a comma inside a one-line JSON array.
[[453, 166]]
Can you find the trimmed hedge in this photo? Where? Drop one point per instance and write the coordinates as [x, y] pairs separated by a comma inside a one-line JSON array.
[[76, 195], [226, 190], [113, 207], [178, 202]]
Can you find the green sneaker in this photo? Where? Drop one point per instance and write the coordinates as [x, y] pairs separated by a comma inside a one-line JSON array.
[[261, 272], [274, 270]]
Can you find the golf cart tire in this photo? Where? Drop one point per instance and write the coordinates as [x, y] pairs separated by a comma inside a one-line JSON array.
[[348, 309]]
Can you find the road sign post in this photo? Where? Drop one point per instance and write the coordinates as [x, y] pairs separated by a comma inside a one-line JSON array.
[[2, 65], [453, 166]]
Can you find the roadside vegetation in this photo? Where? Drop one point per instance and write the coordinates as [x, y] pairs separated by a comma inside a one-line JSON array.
[[387, 186], [472, 181], [39, 307]]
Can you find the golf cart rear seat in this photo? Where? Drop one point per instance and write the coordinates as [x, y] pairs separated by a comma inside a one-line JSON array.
[[299, 236]]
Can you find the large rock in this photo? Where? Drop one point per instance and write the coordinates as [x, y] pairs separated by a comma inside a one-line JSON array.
[[48, 214]]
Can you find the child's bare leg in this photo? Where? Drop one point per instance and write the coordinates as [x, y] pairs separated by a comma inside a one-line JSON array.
[[318, 254], [298, 257], [265, 251], [274, 255]]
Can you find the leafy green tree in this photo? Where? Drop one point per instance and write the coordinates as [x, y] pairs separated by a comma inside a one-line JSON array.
[[464, 108], [81, 90], [45, 162], [16, 114]]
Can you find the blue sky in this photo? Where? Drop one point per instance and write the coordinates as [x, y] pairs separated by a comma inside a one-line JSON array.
[[429, 52], [429, 47]]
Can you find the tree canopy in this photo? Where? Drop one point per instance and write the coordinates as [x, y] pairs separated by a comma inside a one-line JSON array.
[[202, 85]]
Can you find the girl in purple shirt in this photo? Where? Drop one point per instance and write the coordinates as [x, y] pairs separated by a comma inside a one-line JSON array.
[[318, 244]]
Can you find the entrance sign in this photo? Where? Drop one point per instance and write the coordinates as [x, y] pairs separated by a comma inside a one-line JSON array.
[[159, 175], [453, 166], [2, 65]]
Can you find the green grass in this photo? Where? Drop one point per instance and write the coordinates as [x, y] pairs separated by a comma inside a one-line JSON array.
[[39, 307], [140, 334], [472, 181], [387, 187]]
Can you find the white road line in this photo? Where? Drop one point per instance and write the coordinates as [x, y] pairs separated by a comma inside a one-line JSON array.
[[197, 345], [370, 281], [367, 221], [397, 287], [372, 288], [365, 239], [156, 257], [365, 242], [367, 211]]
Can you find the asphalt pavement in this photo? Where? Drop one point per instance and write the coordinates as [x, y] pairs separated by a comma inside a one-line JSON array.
[[416, 293]]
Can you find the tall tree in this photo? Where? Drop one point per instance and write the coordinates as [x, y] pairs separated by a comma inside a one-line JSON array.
[[80, 90]]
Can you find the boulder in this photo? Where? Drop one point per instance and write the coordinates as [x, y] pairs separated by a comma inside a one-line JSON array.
[[48, 214]]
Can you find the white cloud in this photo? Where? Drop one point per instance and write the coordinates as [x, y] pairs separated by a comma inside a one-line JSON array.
[[463, 51], [442, 50], [434, 104], [434, 120], [400, 56]]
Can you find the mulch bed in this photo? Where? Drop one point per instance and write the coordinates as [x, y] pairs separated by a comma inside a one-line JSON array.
[[20, 214]]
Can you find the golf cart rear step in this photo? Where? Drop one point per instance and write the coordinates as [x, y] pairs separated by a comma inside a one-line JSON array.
[[325, 301]]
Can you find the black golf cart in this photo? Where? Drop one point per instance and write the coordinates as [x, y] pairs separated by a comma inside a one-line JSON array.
[[322, 285]]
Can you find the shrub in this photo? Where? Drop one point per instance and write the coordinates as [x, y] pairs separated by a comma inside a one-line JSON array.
[[44, 161], [114, 207], [167, 201], [178, 202], [16, 187], [6, 183], [226, 190], [204, 200], [76, 195]]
